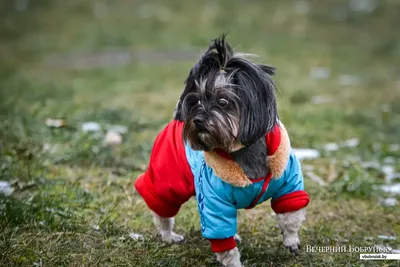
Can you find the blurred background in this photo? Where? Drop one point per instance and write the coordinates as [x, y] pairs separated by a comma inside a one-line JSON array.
[[86, 85]]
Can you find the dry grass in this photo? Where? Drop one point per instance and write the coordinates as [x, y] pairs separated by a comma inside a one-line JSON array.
[[56, 62]]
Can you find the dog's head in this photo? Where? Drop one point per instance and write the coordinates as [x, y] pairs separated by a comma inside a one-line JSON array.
[[228, 101]]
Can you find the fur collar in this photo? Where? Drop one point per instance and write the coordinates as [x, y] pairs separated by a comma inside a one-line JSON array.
[[278, 148]]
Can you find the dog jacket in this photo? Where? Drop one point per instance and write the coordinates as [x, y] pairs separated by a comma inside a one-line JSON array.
[[176, 172]]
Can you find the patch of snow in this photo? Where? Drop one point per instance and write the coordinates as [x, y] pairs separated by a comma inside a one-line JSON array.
[[122, 129], [346, 79], [387, 237], [389, 160], [388, 202], [388, 170], [49, 148], [322, 99], [306, 153], [371, 165], [136, 236], [56, 123], [363, 6], [392, 188], [307, 167], [5, 188], [320, 73], [331, 147], [113, 138], [353, 142], [39, 263], [50, 210], [394, 177], [91, 126]]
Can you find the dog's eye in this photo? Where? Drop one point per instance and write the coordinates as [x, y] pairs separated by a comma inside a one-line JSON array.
[[223, 102], [199, 102]]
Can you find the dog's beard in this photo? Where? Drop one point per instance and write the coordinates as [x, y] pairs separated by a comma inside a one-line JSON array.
[[217, 131]]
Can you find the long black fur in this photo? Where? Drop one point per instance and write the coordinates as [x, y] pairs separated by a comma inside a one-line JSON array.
[[249, 91], [213, 58], [252, 159]]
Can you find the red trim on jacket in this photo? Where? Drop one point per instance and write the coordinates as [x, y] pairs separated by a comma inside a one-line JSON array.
[[264, 187], [290, 202], [272, 141], [258, 179], [220, 245]]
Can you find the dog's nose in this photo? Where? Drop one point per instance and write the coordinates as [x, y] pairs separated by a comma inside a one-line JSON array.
[[199, 122]]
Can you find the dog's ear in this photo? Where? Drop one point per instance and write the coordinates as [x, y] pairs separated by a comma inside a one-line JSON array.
[[215, 57], [256, 90], [190, 86]]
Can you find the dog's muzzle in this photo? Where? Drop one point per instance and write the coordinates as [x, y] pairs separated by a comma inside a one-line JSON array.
[[199, 122]]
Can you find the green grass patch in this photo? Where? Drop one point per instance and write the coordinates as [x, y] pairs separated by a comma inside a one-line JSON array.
[[124, 63]]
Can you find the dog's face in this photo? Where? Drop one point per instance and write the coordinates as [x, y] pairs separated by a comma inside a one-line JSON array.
[[212, 113], [228, 101]]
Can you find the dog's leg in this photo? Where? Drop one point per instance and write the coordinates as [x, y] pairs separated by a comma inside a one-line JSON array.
[[290, 223], [165, 226], [238, 238], [229, 258]]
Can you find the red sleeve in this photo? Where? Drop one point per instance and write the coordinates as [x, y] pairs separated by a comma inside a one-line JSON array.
[[221, 245], [290, 202], [145, 187], [168, 181]]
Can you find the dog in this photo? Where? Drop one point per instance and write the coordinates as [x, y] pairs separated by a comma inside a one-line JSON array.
[[226, 146]]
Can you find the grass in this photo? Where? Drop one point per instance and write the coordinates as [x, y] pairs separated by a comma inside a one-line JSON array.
[[124, 62]]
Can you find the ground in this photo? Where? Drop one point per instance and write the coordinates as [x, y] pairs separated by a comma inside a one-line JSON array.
[[124, 63]]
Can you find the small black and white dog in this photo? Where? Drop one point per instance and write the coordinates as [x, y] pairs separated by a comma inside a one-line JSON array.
[[227, 146]]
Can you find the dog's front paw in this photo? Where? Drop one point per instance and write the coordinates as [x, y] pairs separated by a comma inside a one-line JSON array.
[[229, 258], [292, 242], [171, 237]]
